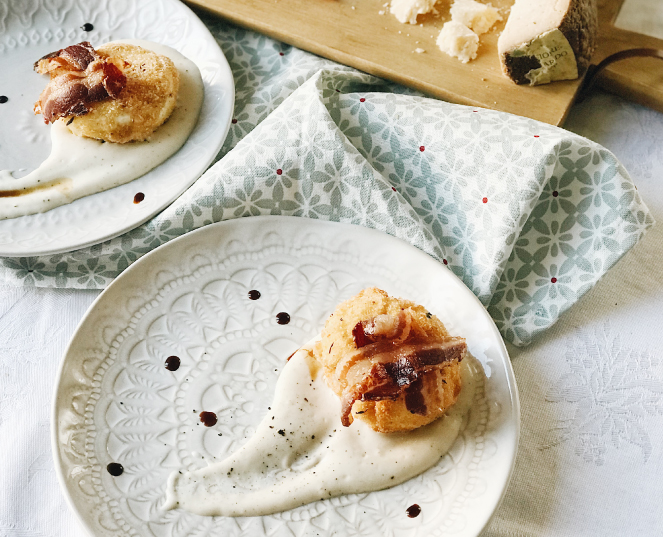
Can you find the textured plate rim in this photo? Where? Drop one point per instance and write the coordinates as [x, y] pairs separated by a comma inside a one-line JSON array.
[[514, 398]]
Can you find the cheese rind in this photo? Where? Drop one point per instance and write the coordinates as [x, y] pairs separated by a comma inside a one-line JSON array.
[[542, 40], [476, 16], [407, 10], [459, 41], [557, 59]]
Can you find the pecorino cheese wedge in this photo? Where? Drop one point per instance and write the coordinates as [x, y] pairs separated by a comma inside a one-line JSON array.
[[546, 40]]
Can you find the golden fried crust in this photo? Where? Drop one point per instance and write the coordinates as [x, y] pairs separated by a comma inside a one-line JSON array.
[[146, 101], [441, 386]]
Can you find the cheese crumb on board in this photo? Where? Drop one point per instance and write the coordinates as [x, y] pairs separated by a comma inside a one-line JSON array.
[[406, 11], [476, 16], [458, 40]]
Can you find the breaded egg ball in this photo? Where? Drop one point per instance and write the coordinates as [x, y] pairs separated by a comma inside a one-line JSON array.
[[391, 360], [145, 103]]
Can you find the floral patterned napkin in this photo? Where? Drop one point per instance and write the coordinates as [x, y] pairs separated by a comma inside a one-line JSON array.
[[529, 216]]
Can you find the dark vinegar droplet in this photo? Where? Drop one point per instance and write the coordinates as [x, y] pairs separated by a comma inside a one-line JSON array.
[[87, 27], [282, 318], [254, 294], [208, 419], [172, 363], [115, 469], [139, 197], [413, 511], [3, 99]]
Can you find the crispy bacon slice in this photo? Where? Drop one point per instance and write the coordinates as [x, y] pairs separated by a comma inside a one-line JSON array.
[[75, 57], [380, 327], [399, 370], [375, 336], [79, 78]]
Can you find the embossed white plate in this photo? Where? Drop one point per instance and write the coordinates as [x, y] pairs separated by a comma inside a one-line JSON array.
[[117, 403], [30, 29]]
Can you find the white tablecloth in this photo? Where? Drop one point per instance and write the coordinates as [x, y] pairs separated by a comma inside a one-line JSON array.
[[591, 388], [591, 449]]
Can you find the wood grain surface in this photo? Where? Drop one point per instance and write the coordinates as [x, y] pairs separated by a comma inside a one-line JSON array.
[[637, 79], [353, 32]]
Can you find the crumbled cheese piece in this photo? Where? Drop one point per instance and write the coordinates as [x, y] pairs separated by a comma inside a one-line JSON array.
[[381, 12], [419, 50], [476, 16], [407, 10], [459, 41]]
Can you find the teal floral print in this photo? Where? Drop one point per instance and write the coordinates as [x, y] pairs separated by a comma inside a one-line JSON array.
[[529, 216]]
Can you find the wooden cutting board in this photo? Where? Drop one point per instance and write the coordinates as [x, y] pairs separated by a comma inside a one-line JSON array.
[[637, 79], [353, 32]]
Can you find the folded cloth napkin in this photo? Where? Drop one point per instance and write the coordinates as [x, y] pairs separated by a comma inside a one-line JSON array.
[[529, 216]]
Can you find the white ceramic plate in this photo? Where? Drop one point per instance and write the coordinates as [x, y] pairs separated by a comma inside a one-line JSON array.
[[30, 29], [116, 402]]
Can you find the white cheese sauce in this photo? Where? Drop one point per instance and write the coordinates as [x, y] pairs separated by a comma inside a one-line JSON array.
[[78, 166], [301, 453]]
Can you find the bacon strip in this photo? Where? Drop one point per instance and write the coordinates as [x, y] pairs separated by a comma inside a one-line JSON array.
[[400, 370], [376, 336], [414, 397], [76, 57], [395, 328], [79, 78]]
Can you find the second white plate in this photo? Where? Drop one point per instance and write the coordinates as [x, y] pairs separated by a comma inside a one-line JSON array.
[[28, 30], [117, 403]]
